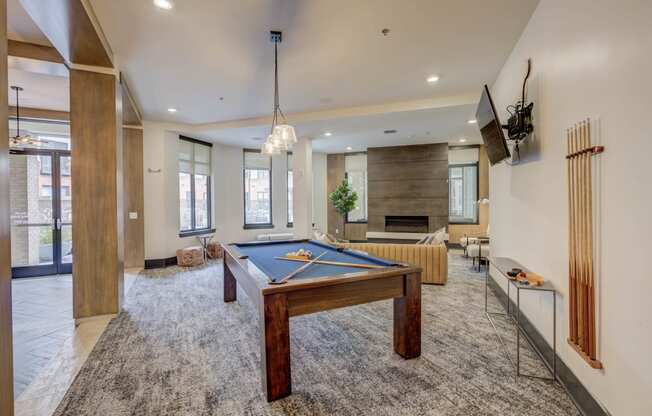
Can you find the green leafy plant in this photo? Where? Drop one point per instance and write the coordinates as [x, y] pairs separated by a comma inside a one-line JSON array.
[[343, 199]]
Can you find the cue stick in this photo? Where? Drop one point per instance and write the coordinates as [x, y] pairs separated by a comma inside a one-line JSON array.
[[578, 238], [571, 268], [336, 263], [583, 229], [299, 270], [589, 248]]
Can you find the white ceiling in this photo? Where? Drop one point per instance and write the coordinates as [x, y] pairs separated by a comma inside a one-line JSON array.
[[332, 55], [441, 125], [333, 62], [21, 27], [45, 85]]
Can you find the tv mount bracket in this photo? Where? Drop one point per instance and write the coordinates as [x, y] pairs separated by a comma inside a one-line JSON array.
[[519, 125]]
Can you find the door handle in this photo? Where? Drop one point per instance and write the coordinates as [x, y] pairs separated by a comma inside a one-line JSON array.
[[57, 223]]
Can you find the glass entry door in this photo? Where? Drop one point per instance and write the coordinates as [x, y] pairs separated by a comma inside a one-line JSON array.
[[41, 212]]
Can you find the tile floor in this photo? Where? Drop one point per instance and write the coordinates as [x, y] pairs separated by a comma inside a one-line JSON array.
[[48, 349], [42, 317]]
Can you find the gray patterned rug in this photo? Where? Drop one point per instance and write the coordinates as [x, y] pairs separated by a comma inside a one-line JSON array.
[[177, 349]]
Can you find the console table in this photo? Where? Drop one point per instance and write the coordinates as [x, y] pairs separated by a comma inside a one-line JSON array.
[[503, 265]]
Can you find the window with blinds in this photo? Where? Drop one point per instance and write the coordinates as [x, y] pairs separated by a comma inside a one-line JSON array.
[[257, 190], [194, 158]]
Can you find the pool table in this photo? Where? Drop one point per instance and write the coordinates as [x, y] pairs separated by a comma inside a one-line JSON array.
[[320, 287]]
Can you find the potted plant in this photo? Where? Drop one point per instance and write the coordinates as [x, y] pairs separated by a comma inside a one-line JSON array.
[[343, 199]]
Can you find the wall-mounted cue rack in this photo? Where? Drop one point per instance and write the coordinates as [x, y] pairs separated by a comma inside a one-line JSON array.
[[581, 242]]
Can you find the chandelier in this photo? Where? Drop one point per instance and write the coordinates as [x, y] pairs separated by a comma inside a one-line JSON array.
[[19, 140], [281, 136]]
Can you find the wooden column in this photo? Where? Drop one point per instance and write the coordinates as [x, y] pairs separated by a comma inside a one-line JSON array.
[[97, 192], [6, 358], [133, 197]]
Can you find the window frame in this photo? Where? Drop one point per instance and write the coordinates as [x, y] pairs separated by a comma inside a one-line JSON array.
[[193, 231], [261, 226], [477, 192]]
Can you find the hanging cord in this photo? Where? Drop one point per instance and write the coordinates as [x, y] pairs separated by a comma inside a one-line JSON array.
[[276, 101]]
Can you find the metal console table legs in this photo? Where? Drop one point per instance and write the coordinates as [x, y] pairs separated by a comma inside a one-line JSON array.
[[503, 264]]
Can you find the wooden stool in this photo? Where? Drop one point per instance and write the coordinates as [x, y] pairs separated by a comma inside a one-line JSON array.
[[214, 250], [190, 256]]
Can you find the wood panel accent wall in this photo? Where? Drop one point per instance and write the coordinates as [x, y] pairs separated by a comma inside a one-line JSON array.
[[134, 197], [6, 357], [408, 181], [457, 231], [97, 190], [336, 173], [33, 51]]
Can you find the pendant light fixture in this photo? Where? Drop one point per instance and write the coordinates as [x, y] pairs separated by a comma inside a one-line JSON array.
[[18, 140], [282, 136]]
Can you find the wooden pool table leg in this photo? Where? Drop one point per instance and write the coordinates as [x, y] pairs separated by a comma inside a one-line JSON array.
[[230, 285], [407, 319], [275, 347]]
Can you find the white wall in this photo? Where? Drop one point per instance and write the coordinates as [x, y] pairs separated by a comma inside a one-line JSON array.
[[591, 58], [162, 193]]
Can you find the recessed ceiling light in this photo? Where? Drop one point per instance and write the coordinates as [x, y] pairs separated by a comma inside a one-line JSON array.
[[163, 4], [472, 121], [432, 79], [349, 148], [172, 110], [328, 134], [462, 140]]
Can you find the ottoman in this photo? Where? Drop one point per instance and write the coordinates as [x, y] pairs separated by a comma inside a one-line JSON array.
[[190, 256], [214, 250]]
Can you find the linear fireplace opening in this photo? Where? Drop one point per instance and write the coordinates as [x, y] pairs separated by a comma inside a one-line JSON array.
[[406, 224]]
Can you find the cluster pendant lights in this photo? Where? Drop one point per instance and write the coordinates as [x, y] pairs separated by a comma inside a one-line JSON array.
[[282, 136], [18, 140]]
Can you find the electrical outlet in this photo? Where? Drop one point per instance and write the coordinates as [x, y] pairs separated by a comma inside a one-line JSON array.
[[133, 215]]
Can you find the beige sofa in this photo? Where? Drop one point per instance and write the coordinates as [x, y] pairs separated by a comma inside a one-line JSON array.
[[433, 259]]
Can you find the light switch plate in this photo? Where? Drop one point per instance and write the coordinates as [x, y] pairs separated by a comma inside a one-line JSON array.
[[133, 215]]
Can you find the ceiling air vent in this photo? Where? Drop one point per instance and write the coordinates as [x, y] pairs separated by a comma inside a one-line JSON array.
[[390, 131]]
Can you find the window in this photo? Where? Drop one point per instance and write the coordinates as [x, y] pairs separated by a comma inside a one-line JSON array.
[[194, 185], [356, 175], [65, 166], [46, 165], [46, 191], [257, 190], [290, 191], [463, 193]]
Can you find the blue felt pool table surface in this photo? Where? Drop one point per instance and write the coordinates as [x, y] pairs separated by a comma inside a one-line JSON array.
[[263, 256]]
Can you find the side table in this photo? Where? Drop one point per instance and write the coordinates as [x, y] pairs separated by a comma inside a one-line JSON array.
[[503, 265]]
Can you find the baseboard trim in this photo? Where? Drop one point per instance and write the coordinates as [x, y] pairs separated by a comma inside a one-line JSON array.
[[160, 263], [578, 393]]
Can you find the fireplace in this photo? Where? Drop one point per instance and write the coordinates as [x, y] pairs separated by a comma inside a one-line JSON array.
[[406, 224]]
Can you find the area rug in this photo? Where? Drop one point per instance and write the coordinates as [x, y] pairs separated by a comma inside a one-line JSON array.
[[178, 349]]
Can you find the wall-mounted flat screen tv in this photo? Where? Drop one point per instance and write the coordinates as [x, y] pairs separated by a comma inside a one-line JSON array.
[[490, 129]]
